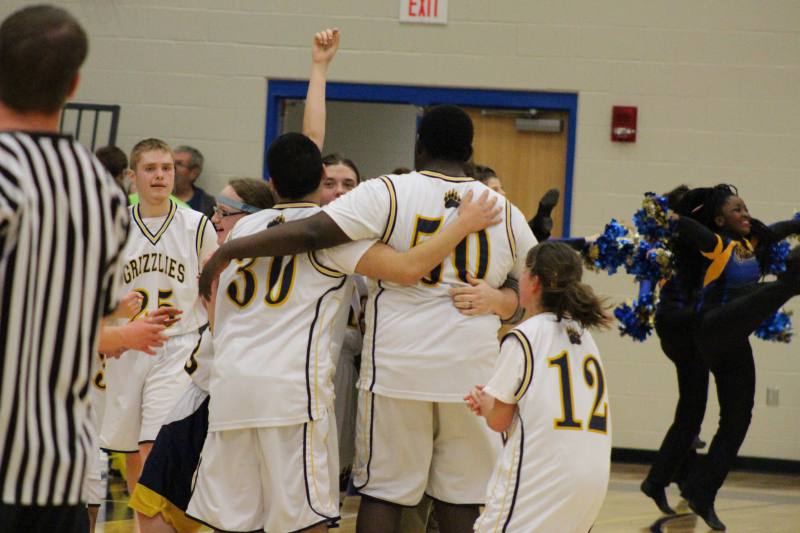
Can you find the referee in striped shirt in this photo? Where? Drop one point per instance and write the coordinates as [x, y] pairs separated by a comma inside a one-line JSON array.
[[63, 222]]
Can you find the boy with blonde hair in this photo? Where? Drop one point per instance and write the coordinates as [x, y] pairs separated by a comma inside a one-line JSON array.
[[162, 259]]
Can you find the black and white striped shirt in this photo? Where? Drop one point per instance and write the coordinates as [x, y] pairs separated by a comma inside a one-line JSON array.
[[63, 222]]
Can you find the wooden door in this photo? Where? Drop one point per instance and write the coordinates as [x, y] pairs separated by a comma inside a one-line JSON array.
[[527, 163]]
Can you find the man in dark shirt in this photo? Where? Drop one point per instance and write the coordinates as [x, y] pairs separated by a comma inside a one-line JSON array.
[[188, 167]]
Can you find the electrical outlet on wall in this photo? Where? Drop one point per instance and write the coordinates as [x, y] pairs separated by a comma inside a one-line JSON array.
[[772, 396]]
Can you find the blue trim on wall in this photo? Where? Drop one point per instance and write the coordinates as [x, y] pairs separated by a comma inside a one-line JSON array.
[[279, 90]]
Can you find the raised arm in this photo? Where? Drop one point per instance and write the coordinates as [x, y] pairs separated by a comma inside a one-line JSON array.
[[383, 262], [323, 49]]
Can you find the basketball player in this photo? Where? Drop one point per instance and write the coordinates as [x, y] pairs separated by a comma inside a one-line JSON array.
[[269, 461], [162, 494], [161, 261], [418, 350], [548, 394]]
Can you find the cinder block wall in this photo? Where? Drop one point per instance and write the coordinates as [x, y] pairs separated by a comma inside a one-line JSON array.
[[716, 83]]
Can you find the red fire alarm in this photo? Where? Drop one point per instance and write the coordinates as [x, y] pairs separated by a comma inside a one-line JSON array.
[[623, 124]]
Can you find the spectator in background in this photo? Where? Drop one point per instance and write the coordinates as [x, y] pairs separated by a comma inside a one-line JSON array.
[[341, 176], [489, 178], [542, 223], [116, 162], [188, 167]]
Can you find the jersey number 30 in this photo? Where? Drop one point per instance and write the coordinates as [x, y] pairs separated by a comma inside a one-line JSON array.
[[593, 376], [280, 277]]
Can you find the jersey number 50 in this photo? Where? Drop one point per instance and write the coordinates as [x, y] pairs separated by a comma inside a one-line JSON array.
[[460, 256]]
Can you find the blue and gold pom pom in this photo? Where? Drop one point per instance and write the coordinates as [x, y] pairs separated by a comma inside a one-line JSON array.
[[610, 250], [776, 260], [777, 328], [651, 261], [637, 320], [652, 220]]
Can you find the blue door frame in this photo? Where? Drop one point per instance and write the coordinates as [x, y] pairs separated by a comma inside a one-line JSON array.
[[424, 96]]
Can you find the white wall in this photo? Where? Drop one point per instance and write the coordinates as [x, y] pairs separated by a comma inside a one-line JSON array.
[[377, 137], [716, 82]]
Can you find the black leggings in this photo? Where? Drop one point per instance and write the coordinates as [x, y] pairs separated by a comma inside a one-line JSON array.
[[723, 340], [676, 457]]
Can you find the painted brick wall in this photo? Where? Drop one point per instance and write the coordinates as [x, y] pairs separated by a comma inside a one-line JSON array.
[[716, 82]]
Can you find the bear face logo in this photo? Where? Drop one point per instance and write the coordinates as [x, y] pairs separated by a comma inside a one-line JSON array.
[[452, 199], [275, 221]]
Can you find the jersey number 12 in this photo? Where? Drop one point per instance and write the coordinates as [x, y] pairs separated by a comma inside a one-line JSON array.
[[593, 376]]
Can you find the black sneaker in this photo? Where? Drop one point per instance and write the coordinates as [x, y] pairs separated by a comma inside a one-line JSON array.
[[658, 495], [698, 443], [707, 513], [542, 222]]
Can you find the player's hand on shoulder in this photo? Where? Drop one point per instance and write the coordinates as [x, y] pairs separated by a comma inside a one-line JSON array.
[[130, 304], [479, 213], [325, 45]]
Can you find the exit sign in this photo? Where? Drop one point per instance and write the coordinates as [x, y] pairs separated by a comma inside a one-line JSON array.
[[423, 11]]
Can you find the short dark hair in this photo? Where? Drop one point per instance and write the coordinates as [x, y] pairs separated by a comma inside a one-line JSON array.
[[113, 159], [196, 159], [41, 50], [295, 165], [483, 173], [445, 132]]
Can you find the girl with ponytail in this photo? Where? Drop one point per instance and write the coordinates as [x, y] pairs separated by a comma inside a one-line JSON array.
[[549, 395]]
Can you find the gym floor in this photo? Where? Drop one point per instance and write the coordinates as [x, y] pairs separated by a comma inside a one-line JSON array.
[[748, 503]]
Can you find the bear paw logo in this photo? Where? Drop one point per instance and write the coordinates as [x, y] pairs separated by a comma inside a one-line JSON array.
[[574, 335], [452, 199], [275, 221]]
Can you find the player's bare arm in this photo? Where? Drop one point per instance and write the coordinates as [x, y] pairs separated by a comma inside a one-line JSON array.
[[383, 262], [310, 234], [323, 50], [498, 415], [143, 335]]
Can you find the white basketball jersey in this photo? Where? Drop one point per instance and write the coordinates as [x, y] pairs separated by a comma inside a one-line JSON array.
[[198, 366], [162, 263], [417, 345], [553, 472], [353, 337], [278, 323], [97, 391]]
